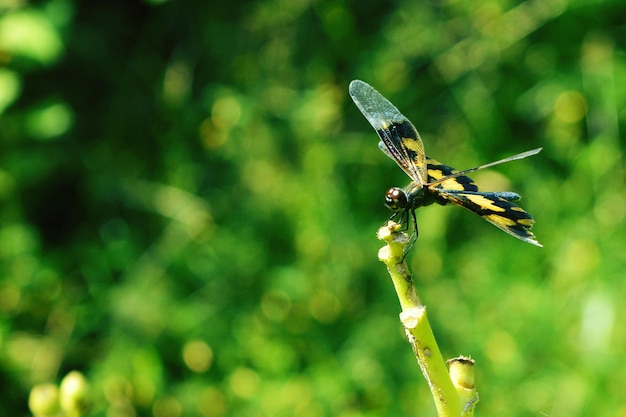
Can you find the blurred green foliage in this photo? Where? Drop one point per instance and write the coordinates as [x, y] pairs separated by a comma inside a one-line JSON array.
[[190, 199]]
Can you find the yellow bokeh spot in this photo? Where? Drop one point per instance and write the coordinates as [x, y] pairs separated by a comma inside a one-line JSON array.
[[10, 86], [324, 306], [450, 64], [597, 52], [74, 393], [167, 407], [226, 112], [44, 399], [50, 121], [501, 348], [581, 256], [31, 34], [210, 135], [610, 211], [570, 107], [244, 382], [177, 82], [117, 389], [275, 305], [10, 297], [198, 356], [212, 403]]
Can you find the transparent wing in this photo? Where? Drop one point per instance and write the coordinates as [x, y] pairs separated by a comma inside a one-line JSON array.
[[457, 174], [399, 137]]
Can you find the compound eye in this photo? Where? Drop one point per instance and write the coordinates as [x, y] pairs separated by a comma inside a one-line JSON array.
[[396, 199]]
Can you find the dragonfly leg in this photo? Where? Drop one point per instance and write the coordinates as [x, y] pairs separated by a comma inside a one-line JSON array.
[[413, 237]]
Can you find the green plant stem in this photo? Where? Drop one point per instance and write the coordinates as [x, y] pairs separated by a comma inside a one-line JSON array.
[[444, 389]]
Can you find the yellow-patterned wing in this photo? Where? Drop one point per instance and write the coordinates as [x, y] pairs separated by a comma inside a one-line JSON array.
[[498, 209], [432, 181], [438, 171], [400, 139]]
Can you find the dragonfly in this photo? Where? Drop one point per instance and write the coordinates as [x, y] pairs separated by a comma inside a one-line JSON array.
[[432, 181]]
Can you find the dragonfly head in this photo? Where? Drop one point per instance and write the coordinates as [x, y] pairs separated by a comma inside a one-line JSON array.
[[396, 199]]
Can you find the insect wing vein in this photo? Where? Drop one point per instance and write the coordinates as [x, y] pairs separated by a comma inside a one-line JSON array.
[[438, 173], [400, 138], [497, 210]]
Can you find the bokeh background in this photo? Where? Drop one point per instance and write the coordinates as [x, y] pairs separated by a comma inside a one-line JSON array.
[[189, 201]]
